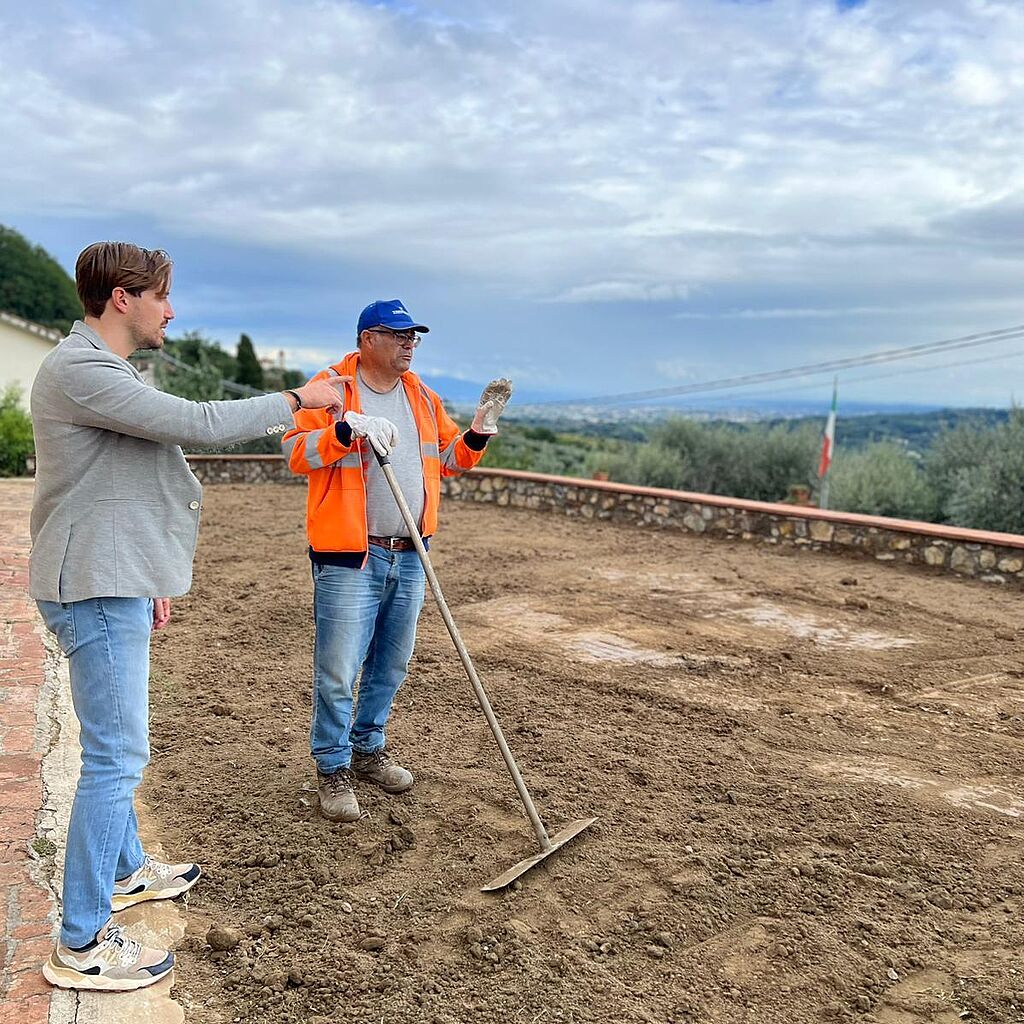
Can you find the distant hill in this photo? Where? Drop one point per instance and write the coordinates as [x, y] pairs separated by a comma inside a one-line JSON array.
[[917, 431], [794, 408], [860, 423], [536, 404]]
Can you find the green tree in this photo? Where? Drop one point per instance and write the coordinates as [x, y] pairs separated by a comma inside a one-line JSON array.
[[249, 371], [34, 285], [193, 346], [978, 474], [16, 439], [882, 479], [199, 381], [756, 462], [649, 465]]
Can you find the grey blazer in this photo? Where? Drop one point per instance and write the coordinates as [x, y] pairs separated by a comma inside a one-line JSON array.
[[116, 507]]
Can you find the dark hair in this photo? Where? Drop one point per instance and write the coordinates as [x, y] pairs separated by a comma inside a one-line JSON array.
[[104, 266]]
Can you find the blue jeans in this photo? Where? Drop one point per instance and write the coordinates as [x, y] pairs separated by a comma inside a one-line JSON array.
[[106, 640], [365, 618]]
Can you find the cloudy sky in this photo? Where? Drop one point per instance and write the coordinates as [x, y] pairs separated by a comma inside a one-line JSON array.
[[590, 197]]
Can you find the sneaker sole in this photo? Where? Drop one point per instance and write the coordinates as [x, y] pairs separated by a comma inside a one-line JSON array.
[[380, 785], [64, 977], [122, 901]]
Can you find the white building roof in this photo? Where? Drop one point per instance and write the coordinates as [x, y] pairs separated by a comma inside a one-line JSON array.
[[32, 328]]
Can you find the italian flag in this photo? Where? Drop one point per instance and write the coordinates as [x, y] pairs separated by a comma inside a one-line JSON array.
[[828, 442]]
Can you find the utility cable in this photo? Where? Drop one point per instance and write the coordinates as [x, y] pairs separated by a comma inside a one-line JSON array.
[[226, 385], [808, 369], [845, 381]]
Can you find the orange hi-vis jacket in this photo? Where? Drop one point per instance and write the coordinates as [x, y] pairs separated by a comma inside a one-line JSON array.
[[336, 502]]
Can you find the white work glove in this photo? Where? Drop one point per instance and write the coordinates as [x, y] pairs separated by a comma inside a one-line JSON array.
[[381, 433], [492, 405]]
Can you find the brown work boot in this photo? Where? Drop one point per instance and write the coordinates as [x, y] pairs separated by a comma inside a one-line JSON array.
[[337, 798], [380, 768]]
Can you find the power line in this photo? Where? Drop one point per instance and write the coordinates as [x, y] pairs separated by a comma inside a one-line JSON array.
[[806, 370], [226, 385], [887, 376]]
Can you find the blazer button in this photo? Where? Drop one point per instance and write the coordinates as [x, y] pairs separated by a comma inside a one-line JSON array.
[[193, 505]]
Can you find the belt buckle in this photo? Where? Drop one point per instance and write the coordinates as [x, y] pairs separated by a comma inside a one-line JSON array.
[[394, 543]]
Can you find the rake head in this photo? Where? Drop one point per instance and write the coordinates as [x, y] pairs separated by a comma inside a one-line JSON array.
[[556, 842]]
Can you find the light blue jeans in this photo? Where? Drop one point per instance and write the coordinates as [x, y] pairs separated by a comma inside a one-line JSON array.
[[365, 618], [106, 640]]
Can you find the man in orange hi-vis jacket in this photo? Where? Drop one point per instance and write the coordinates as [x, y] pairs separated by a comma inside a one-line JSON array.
[[368, 581]]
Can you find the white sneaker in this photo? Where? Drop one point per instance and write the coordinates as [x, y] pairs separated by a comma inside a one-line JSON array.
[[113, 963], [154, 881]]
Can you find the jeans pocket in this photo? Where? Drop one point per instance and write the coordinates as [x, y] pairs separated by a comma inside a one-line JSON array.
[[60, 621]]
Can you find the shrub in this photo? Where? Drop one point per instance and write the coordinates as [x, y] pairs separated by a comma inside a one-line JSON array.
[[978, 475], [16, 441], [882, 479], [649, 465], [758, 463]]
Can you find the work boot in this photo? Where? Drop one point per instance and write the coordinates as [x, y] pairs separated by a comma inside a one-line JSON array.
[[379, 767], [111, 962], [337, 798], [154, 880]]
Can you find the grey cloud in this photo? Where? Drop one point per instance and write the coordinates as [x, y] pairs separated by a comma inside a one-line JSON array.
[[588, 152], [996, 226]]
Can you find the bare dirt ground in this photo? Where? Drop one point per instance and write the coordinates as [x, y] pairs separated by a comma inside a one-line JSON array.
[[807, 771]]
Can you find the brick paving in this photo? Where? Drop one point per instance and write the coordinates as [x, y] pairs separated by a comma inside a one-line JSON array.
[[26, 908]]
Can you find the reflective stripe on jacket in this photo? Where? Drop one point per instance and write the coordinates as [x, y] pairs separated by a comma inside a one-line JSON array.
[[336, 501]]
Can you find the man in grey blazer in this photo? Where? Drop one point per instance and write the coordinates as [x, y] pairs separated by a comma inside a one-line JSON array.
[[114, 525]]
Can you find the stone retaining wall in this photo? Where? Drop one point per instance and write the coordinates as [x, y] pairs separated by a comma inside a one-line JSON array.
[[242, 469], [993, 557]]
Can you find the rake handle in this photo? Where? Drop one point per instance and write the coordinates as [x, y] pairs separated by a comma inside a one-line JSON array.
[[478, 688]]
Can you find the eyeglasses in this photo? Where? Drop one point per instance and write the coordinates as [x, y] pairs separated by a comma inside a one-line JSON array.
[[405, 338]]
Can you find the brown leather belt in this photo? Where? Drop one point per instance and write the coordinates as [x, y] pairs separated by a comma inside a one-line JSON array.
[[393, 543]]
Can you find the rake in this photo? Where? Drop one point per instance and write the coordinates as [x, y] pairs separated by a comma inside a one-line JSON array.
[[548, 843]]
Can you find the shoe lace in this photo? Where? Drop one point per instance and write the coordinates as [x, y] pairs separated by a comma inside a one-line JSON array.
[[158, 868], [128, 950], [380, 757], [339, 781]]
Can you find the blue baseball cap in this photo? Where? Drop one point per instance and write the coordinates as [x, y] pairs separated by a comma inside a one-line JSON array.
[[390, 313]]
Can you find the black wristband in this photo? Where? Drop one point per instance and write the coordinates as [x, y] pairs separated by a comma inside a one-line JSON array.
[[474, 441], [295, 395], [343, 432]]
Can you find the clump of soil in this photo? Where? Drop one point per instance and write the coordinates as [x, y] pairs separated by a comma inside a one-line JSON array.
[[810, 806]]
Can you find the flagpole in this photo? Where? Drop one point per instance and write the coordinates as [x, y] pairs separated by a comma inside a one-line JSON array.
[[827, 447]]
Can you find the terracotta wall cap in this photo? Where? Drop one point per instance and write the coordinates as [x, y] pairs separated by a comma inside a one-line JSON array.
[[940, 531]]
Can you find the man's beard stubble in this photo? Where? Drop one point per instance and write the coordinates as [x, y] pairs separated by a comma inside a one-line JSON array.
[[145, 341]]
